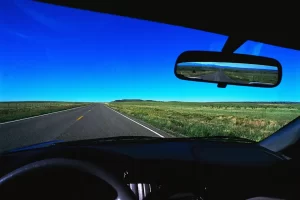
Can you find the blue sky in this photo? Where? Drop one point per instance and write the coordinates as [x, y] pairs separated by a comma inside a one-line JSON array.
[[55, 53]]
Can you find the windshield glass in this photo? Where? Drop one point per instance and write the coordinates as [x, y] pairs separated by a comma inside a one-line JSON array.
[[69, 74]]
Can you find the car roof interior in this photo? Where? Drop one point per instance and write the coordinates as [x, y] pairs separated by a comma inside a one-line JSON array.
[[241, 21]]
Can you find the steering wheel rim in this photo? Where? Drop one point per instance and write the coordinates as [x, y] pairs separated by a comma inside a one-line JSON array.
[[123, 191]]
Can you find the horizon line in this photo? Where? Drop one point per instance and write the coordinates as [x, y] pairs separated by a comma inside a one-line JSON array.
[[145, 100]]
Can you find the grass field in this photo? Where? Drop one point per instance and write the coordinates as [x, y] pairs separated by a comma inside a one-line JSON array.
[[195, 71], [252, 76], [238, 75], [254, 121], [18, 110]]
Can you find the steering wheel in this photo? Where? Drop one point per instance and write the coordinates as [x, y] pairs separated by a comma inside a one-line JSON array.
[[123, 191]]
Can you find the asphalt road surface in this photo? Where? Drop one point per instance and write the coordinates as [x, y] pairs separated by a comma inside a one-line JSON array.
[[219, 76], [94, 121]]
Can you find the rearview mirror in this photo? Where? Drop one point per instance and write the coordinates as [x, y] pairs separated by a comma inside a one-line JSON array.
[[228, 69]]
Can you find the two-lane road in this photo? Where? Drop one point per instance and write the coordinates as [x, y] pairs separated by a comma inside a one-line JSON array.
[[219, 76], [94, 121]]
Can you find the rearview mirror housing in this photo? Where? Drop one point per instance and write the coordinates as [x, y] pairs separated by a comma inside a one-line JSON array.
[[228, 69]]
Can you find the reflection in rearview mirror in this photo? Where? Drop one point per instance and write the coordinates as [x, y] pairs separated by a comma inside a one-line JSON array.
[[229, 72], [228, 69]]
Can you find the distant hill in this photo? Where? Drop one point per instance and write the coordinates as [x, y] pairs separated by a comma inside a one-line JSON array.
[[261, 102], [244, 69], [134, 100], [228, 67], [43, 102]]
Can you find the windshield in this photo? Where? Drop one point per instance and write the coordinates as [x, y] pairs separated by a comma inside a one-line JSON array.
[[69, 74]]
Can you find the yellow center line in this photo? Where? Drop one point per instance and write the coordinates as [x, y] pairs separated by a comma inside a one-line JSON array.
[[79, 118]]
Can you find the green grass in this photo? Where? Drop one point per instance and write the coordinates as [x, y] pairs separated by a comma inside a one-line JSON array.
[[238, 75], [18, 110], [252, 76], [195, 71], [254, 121]]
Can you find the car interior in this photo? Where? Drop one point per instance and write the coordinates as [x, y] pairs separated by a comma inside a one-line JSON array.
[[165, 168]]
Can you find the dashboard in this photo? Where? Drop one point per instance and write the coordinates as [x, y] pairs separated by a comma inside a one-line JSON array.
[[163, 170]]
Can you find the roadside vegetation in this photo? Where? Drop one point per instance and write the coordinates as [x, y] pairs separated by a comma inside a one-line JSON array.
[[18, 110], [254, 121], [238, 75], [252, 76], [195, 71]]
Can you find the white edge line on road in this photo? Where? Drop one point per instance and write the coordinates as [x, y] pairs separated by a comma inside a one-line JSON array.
[[40, 115], [136, 122]]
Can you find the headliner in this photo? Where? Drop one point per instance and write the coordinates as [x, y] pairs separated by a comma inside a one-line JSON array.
[[243, 22]]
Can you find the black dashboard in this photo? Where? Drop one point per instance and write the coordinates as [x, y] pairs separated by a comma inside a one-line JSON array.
[[205, 169]]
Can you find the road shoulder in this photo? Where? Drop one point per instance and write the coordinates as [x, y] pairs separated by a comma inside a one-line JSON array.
[[149, 126]]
